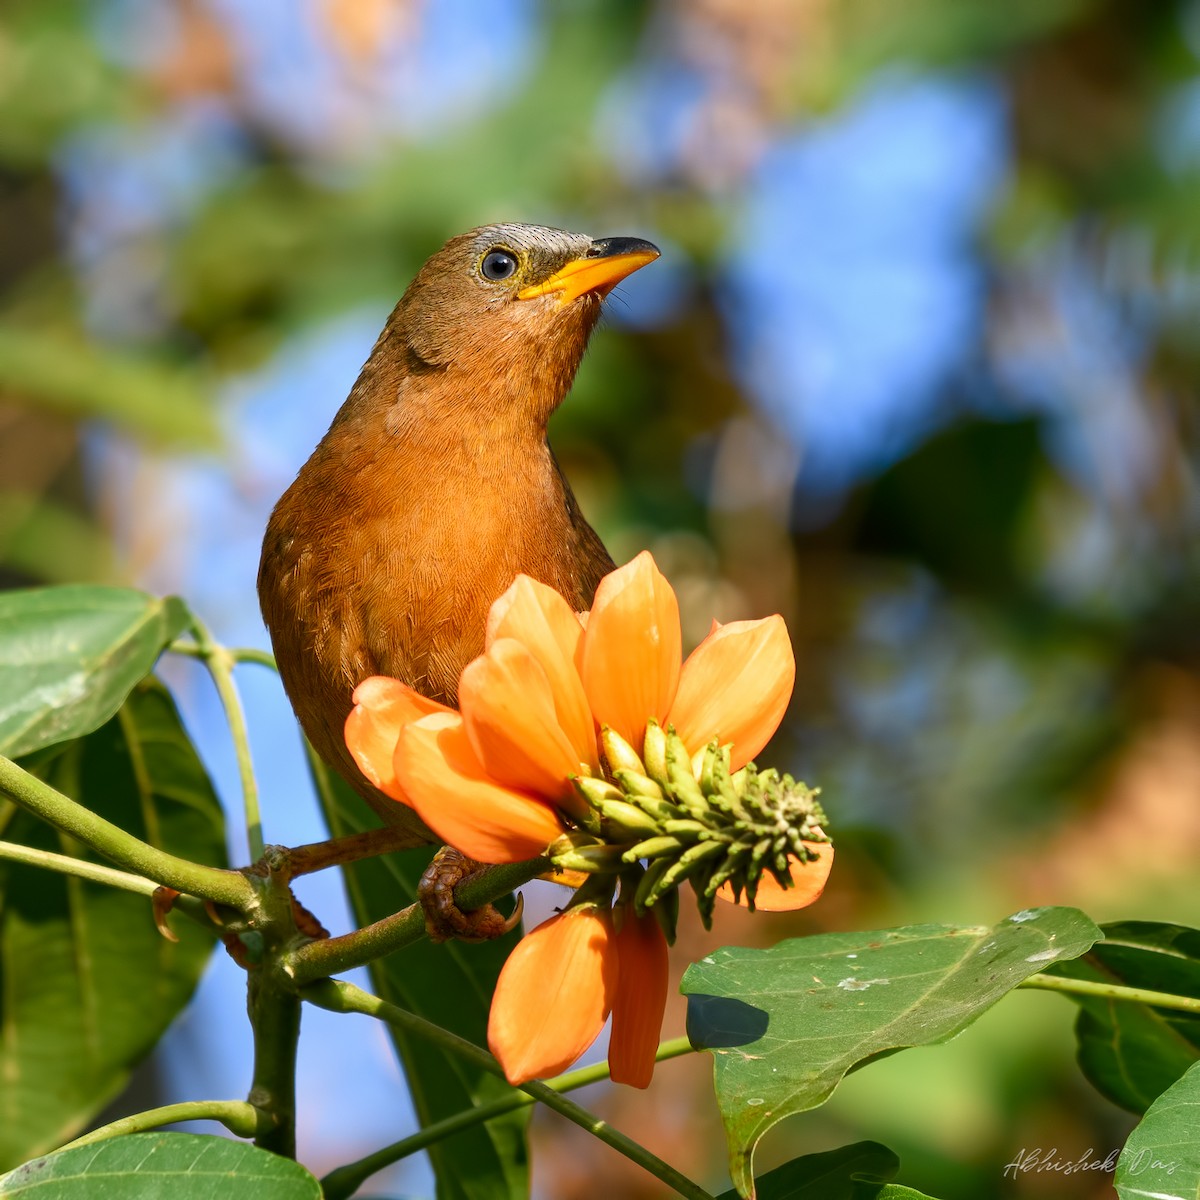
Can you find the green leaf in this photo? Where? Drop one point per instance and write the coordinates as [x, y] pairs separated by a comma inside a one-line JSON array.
[[857, 1172], [87, 983], [451, 984], [1161, 1159], [69, 656], [1132, 1052], [785, 1024], [149, 1166]]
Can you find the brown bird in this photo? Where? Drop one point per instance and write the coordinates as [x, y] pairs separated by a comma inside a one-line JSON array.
[[435, 486]]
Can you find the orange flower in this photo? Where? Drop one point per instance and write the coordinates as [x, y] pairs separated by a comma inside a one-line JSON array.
[[464, 805], [630, 654], [641, 998], [495, 779], [808, 882], [382, 707], [554, 994], [558, 986], [734, 686], [492, 779]]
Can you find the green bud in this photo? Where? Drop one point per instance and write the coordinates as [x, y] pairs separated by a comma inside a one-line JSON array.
[[660, 810], [759, 854], [714, 768], [685, 827], [572, 840], [654, 753], [647, 884], [707, 886], [595, 791], [620, 754], [626, 820], [655, 886], [691, 859], [653, 848], [666, 913], [714, 779], [591, 859], [728, 869], [698, 822], [683, 787], [636, 784], [782, 877]]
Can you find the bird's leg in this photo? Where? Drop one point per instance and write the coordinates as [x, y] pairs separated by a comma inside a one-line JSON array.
[[443, 918], [316, 856]]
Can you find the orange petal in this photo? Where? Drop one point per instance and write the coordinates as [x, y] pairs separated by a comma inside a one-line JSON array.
[[508, 708], [735, 686], [640, 1000], [630, 651], [544, 623], [554, 994], [808, 882], [382, 707], [456, 798]]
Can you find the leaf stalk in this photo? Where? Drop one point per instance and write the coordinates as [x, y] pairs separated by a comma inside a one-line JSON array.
[[228, 888]]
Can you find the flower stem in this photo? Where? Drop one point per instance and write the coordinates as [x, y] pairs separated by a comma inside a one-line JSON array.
[[272, 1003], [209, 883], [248, 654], [239, 654], [275, 1019], [66, 864], [238, 1116], [81, 868], [338, 996], [344, 1181], [1112, 991], [330, 956], [219, 661]]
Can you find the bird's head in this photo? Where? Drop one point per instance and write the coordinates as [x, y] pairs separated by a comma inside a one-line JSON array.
[[504, 312]]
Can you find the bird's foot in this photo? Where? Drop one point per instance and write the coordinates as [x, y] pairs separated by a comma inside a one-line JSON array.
[[443, 918]]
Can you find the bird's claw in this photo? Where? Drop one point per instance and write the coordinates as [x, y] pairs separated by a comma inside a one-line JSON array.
[[443, 918]]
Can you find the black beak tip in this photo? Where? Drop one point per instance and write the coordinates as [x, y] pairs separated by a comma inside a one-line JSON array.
[[610, 247]]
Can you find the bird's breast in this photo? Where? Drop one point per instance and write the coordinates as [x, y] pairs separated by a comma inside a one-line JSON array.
[[393, 572]]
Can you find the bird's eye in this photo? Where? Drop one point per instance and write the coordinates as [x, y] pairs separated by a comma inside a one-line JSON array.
[[498, 265]]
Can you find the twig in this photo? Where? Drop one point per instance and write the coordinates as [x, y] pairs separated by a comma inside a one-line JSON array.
[[238, 1116], [1112, 991], [209, 883], [344, 1181], [338, 996], [219, 661]]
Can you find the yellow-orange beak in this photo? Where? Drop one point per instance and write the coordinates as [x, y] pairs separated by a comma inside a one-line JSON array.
[[600, 270]]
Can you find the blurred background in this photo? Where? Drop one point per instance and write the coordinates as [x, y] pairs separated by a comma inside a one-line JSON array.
[[918, 369]]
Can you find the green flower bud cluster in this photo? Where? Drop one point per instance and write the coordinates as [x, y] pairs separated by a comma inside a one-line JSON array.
[[666, 816]]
